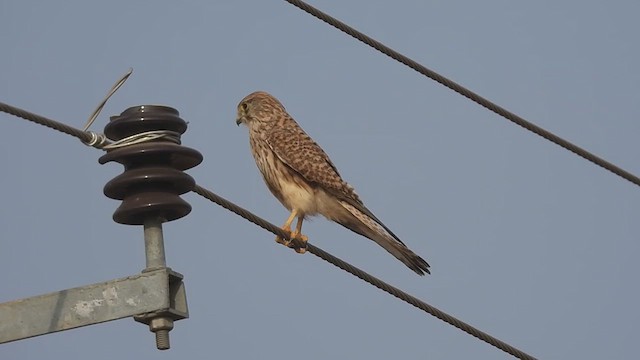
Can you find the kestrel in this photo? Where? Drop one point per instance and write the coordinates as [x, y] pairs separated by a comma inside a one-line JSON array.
[[303, 178]]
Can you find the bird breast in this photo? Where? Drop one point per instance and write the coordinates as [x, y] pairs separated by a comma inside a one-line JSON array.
[[298, 195], [288, 186]]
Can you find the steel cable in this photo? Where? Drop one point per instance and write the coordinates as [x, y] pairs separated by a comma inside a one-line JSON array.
[[363, 275], [39, 119], [465, 92]]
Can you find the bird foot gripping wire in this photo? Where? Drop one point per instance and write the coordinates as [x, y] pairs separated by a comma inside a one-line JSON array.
[[297, 242]]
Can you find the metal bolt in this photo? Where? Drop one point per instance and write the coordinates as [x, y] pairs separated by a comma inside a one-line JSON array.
[[161, 327], [162, 339]]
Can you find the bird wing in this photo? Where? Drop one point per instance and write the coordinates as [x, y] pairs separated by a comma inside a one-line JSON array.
[[299, 152], [303, 155]]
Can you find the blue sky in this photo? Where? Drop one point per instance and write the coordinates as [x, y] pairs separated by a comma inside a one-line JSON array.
[[526, 241]]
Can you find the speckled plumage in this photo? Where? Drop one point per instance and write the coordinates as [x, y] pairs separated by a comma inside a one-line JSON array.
[[303, 178]]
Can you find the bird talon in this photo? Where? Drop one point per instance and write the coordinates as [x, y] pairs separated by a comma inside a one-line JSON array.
[[299, 249], [282, 241], [292, 244], [279, 238]]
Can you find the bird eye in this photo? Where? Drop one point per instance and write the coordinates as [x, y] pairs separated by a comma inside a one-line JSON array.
[[244, 106]]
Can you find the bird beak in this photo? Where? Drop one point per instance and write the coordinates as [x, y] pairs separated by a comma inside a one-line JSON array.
[[238, 121]]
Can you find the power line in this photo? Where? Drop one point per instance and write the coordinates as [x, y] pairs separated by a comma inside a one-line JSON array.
[[82, 135], [364, 275], [465, 92]]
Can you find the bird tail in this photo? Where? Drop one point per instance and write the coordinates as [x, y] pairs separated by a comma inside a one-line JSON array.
[[360, 220]]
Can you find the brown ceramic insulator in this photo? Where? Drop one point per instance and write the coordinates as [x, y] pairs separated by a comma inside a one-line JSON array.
[[142, 118], [153, 179]]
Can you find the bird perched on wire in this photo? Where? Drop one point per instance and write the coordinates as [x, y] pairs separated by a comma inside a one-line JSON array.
[[303, 178]]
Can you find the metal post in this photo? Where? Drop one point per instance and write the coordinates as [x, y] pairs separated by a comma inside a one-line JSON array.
[[155, 259], [154, 244]]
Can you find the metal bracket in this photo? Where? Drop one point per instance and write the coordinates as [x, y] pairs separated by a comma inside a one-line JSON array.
[[142, 296]]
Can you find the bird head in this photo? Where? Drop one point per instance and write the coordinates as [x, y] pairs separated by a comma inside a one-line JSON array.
[[258, 107]]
